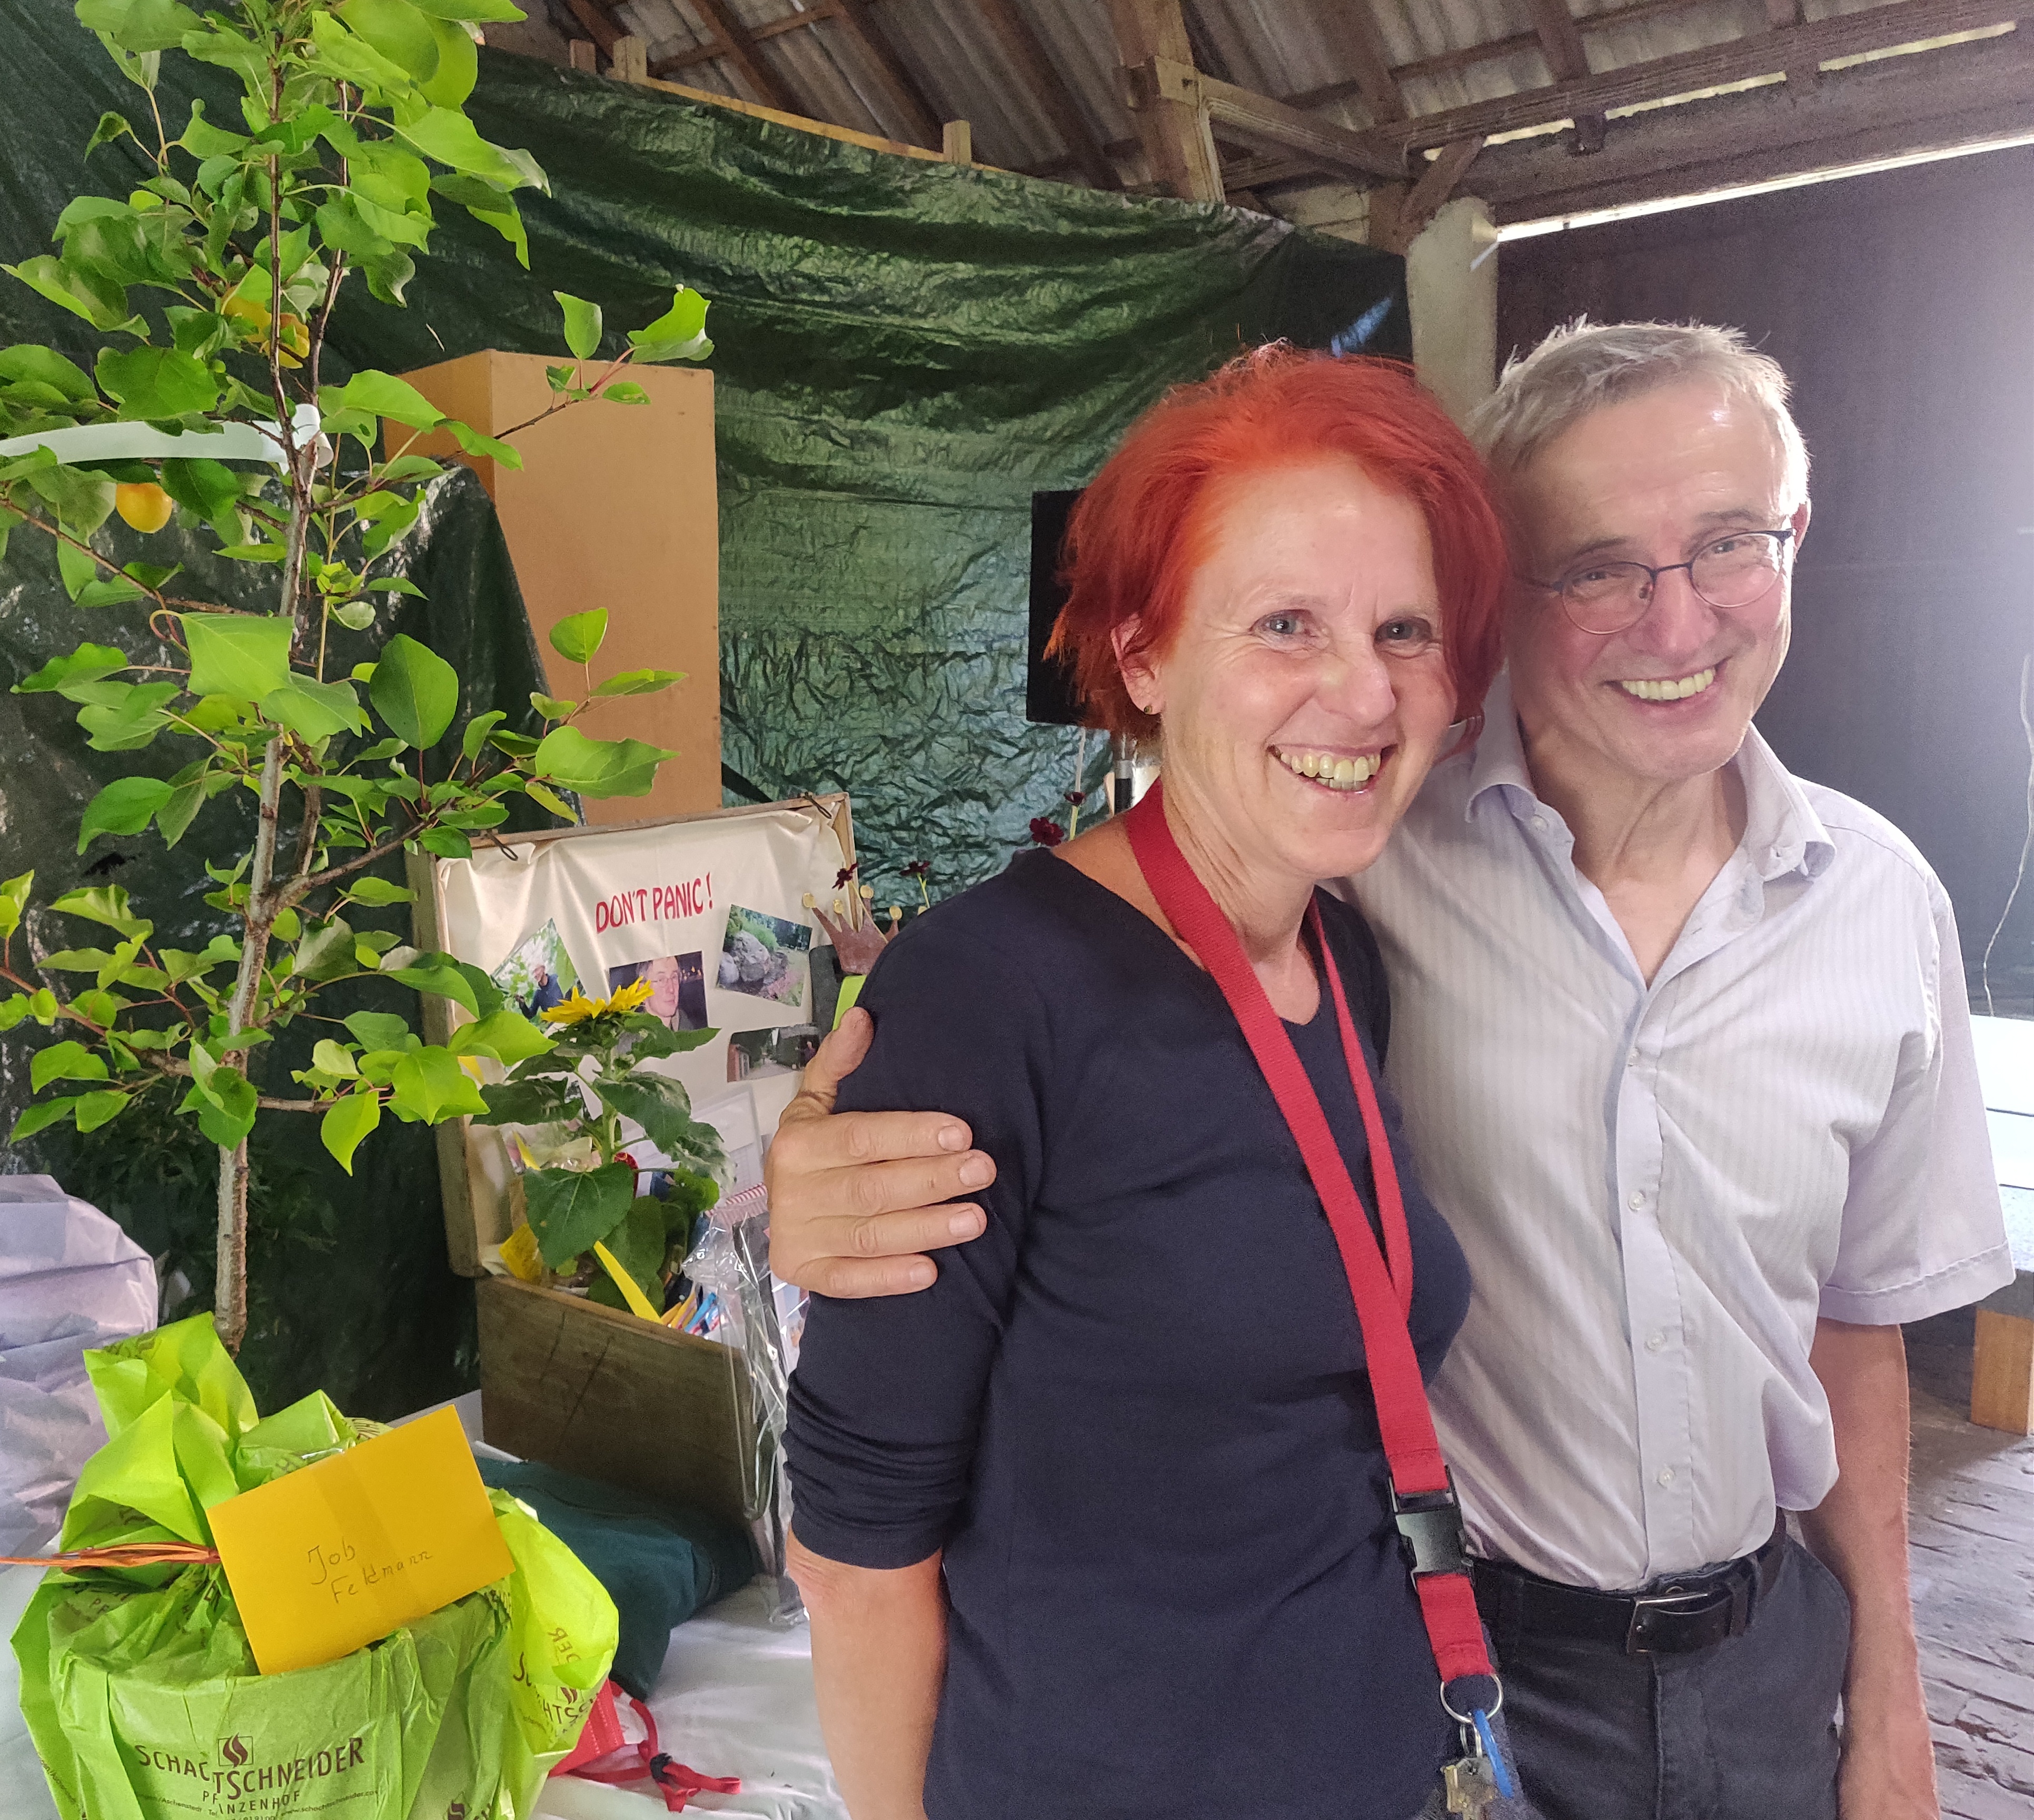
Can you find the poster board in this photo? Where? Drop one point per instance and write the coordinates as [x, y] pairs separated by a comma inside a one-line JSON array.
[[708, 908]]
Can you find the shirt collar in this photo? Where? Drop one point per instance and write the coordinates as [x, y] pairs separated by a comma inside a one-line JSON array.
[[1782, 832]]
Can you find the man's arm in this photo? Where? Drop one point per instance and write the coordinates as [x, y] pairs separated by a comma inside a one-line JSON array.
[[856, 1198], [879, 1660], [1859, 1532]]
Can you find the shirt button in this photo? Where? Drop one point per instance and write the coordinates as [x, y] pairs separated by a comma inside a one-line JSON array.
[[1666, 1474], [1655, 1341], [1636, 1202], [1631, 1060], [1539, 824]]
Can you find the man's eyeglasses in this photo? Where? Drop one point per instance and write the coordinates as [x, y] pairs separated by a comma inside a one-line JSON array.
[[1735, 570]]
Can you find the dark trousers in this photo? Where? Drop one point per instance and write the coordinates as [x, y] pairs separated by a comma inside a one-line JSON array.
[[1744, 1730]]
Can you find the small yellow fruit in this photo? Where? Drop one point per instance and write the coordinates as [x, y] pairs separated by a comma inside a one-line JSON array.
[[143, 504]]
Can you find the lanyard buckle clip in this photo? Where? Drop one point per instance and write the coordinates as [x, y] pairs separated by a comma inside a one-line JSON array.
[[1430, 1533]]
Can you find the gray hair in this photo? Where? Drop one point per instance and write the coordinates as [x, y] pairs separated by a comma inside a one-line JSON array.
[[1583, 366]]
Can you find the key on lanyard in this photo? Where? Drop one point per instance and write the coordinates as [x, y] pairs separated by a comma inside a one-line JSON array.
[[1471, 1785]]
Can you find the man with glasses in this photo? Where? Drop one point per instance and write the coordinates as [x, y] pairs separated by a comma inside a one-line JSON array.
[[1684, 1053]]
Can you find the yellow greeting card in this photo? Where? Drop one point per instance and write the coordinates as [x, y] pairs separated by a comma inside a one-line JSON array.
[[332, 1557]]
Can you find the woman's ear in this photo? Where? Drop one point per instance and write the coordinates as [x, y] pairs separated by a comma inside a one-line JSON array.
[[1140, 676]]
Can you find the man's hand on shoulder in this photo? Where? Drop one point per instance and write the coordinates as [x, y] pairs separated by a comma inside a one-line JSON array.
[[856, 1199]]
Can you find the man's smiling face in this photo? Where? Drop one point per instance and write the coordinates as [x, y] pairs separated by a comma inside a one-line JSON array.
[[1652, 479]]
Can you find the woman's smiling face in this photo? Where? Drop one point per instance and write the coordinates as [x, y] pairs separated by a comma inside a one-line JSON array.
[[1305, 695]]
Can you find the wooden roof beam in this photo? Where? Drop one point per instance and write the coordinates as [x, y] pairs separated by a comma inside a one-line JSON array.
[[598, 22], [1165, 98], [1021, 49], [1561, 43], [1736, 60], [740, 49], [900, 87], [1373, 79], [770, 28]]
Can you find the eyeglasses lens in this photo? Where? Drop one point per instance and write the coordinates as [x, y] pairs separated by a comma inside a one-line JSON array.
[[1734, 572]]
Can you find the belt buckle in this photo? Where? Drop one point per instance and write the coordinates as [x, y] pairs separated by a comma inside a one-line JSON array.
[[1681, 1603]]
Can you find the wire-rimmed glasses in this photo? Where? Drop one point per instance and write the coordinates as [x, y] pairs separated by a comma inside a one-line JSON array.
[[1730, 573]]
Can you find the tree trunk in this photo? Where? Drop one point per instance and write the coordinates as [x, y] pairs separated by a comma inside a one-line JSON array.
[[230, 1293]]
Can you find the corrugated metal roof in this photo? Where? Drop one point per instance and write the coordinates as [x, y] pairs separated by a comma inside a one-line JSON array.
[[1302, 50]]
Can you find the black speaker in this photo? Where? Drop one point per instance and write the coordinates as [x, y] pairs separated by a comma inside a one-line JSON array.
[[1049, 699]]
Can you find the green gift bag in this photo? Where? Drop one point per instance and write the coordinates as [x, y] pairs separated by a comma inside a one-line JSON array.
[[141, 1693]]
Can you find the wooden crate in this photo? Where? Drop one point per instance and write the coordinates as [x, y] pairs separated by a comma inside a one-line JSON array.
[[592, 1391]]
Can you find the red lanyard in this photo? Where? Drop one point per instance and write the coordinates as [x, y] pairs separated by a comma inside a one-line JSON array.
[[1380, 1283]]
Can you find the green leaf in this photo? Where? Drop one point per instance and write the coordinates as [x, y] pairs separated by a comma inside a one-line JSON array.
[[105, 904], [441, 975], [639, 682], [415, 691], [382, 395], [205, 488], [243, 655], [126, 805], [95, 1109], [349, 57], [429, 1086], [66, 1061], [569, 1209], [326, 953], [131, 721], [550, 706], [477, 730], [378, 1030], [508, 1036], [377, 891], [479, 10], [541, 1099], [154, 383], [474, 443], [626, 392], [111, 126], [652, 1038], [329, 1057], [678, 334], [83, 502], [447, 136], [663, 1108], [582, 325], [459, 66], [139, 25], [174, 818], [638, 1246], [580, 635], [597, 768], [398, 30], [350, 1121], [355, 616], [316, 710], [553, 801], [32, 364], [87, 664], [111, 591], [102, 304], [225, 1103], [446, 843], [41, 1117], [13, 901]]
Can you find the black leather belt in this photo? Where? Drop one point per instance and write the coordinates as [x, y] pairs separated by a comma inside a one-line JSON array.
[[1670, 1618]]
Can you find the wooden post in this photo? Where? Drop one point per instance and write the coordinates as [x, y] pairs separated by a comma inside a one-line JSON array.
[[585, 55], [631, 60], [957, 142], [1165, 98], [2003, 1359]]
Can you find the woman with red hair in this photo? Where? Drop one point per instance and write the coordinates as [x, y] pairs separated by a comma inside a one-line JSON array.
[[1107, 1521]]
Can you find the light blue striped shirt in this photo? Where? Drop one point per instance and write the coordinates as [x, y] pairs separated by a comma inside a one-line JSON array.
[[1660, 1188]]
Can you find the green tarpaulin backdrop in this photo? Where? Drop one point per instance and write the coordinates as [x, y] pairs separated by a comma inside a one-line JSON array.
[[905, 352]]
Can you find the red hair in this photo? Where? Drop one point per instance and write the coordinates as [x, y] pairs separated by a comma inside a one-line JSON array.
[[1136, 535]]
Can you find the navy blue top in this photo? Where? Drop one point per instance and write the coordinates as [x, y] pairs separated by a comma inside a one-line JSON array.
[[1134, 1412]]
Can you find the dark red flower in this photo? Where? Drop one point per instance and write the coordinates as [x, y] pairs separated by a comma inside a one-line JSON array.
[[1076, 797], [845, 876], [1046, 833], [919, 869]]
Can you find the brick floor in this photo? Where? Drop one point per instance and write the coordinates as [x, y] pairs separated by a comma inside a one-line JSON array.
[[1972, 1513]]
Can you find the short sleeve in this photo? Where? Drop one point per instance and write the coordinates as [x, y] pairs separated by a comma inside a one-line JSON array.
[[886, 1403], [1922, 1231]]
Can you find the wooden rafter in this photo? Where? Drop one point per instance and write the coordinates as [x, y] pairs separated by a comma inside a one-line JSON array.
[[1561, 43], [598, 22], [758, 34], [1027, 56], [1374, 81], [1734, 60], [902, 90], [1165, 98], [740, 49]]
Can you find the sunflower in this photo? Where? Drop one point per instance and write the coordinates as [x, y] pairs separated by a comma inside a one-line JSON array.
[[579, 1008]]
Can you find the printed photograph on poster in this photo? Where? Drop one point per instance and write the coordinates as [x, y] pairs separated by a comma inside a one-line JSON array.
[[782, 1051], [761, 956], [677, 988], [539, 974]]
